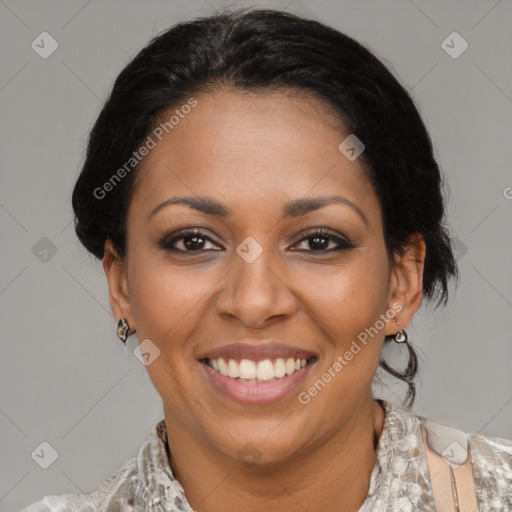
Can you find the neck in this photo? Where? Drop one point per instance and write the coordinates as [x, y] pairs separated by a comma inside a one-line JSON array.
[[329, 476]]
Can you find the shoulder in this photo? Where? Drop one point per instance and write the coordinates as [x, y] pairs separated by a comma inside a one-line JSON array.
[[491, 460], [132, 486], [454, 444], [116, 490], [490, 457], [493, 453]]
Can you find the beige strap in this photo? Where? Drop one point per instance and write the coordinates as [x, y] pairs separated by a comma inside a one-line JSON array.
[[452, 486], [466, 486]]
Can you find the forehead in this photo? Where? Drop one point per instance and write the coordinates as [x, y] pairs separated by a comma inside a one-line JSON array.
[[250, 148]]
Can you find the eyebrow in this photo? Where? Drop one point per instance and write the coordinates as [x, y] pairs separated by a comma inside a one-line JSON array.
[[291, 209], [202, 204], [305, 205]]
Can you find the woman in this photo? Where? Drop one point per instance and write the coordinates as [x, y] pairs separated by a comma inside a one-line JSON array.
[[265, 200]]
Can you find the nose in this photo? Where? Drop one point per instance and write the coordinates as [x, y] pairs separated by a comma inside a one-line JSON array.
[[256, 292]]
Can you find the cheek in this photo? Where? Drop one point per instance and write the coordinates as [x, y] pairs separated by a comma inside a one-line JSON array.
[[164, 298], [347, 304], [167, 308], [348, 298]]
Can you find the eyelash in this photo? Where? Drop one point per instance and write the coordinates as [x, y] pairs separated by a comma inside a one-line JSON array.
[[166, 243]]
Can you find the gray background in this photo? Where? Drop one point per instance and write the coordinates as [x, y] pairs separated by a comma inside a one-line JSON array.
[[67, 380]]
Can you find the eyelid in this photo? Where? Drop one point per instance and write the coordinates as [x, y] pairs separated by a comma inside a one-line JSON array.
[[167, 241], [323, 230], [341, 241], [176, 235]]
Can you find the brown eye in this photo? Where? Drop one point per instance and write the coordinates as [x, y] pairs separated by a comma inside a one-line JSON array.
[[323, 240], [190, 240]]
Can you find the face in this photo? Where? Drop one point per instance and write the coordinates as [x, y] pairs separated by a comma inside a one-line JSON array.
[[262, 262]]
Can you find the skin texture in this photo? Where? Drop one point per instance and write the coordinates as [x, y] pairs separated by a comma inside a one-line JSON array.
[[253, 153]]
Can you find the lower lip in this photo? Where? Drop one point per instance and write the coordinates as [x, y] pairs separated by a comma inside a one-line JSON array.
[[257, 393]]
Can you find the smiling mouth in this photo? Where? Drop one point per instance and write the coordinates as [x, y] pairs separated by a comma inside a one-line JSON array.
[[258, 372]]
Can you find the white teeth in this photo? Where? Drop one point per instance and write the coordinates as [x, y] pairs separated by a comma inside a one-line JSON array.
[[265, 370], [261, 370], [247, 369], [290, 366], [223, 367], [279, 368], [233, 369]]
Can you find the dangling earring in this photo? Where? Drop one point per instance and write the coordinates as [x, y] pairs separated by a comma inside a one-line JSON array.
[[401, 335], [124, 330]]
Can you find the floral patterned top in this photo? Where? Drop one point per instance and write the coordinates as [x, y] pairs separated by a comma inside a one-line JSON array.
[[400, 479]]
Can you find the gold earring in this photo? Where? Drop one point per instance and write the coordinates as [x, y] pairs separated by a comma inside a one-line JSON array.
[[124, 330]]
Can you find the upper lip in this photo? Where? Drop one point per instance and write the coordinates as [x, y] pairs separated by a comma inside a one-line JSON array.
[[257, 350]]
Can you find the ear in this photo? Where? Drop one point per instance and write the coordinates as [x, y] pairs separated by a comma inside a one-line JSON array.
[[406, 283], [115, 270]]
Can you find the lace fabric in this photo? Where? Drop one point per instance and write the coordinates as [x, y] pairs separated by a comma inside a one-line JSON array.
[[399, 481]]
